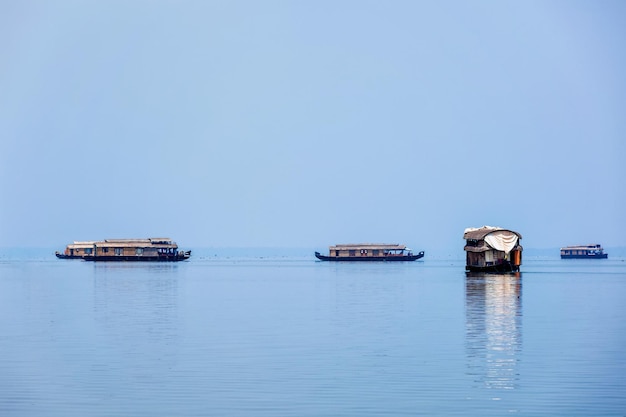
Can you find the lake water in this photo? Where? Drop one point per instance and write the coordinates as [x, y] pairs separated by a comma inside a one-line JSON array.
[[222, 335]]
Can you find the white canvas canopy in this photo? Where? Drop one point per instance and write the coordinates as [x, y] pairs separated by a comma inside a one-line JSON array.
[[502, 240]]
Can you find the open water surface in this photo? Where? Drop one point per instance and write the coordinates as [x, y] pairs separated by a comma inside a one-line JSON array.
[[289, 336]]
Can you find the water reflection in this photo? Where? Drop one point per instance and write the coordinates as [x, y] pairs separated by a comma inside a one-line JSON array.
[[136, 310], [493, 328]]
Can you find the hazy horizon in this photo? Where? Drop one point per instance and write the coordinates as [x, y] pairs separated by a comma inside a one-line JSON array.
[[306, 124]]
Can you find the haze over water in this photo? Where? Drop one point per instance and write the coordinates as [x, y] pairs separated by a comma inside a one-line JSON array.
[[304, 124], [291, 336]]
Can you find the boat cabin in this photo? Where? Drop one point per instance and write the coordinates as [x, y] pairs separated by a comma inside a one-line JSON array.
[[135, 247], [367, 250], [492, 249], [79, 249]]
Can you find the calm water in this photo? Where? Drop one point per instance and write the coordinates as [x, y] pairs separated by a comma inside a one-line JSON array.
[[289, 336]]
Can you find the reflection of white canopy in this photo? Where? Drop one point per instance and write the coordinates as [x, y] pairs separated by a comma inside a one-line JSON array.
[[502, 240]]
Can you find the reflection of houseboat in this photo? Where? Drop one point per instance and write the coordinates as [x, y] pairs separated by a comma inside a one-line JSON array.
[[492, 249], [583, 252], [493, 338], [152, 249], [369, 252]]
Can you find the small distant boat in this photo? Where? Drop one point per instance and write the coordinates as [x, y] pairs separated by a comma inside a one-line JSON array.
[[492, 249], [583, 252], [364, 252], [138, 250]]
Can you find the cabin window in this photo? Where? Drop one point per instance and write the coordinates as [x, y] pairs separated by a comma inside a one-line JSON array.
[[139, 251], [88, 251], [375, 252], [105, 250], [118, 251], [351, 252]]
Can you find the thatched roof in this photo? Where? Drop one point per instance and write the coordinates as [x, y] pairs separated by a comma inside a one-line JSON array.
[[80, 245], [481, 232], [482, 248], [127, 240], [124, 243], [135, 243], [368, 246]]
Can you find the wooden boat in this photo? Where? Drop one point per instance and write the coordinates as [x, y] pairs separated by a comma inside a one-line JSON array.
[[492, 249], [364, 252], [129, 250], [583, 252]]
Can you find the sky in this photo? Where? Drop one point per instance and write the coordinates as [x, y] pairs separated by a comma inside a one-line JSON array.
[[311, 123]]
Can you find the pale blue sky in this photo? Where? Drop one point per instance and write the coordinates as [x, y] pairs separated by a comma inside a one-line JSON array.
[[310, 123]]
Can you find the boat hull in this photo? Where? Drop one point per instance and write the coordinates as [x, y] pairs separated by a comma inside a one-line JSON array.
[[500, 268], [64, 256], [393, 258]]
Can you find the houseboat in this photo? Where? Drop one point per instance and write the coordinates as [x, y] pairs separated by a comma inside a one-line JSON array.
[[151, 250], [583, 252], [492, 249], [369, 252]]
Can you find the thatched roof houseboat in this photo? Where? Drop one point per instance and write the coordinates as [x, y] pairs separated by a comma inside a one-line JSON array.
[[369, 252], [151, 249], [492, 249]]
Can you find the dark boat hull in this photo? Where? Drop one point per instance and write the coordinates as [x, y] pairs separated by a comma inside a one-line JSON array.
[[600, 256], [500, 268], [64, 256], [399, 258], [117, 258]]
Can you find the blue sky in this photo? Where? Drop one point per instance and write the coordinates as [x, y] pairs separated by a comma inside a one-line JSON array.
[[305, 124]]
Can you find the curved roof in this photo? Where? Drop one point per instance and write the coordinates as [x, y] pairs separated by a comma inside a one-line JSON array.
[[356, 246], [481, 232]]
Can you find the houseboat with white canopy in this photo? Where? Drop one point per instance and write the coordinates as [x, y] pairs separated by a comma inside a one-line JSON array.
[[360, 252], [137, 250], [492, 249]]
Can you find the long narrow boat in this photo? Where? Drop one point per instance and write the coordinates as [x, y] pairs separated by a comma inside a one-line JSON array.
[[126, 250], [594, 251], [369, 252]]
